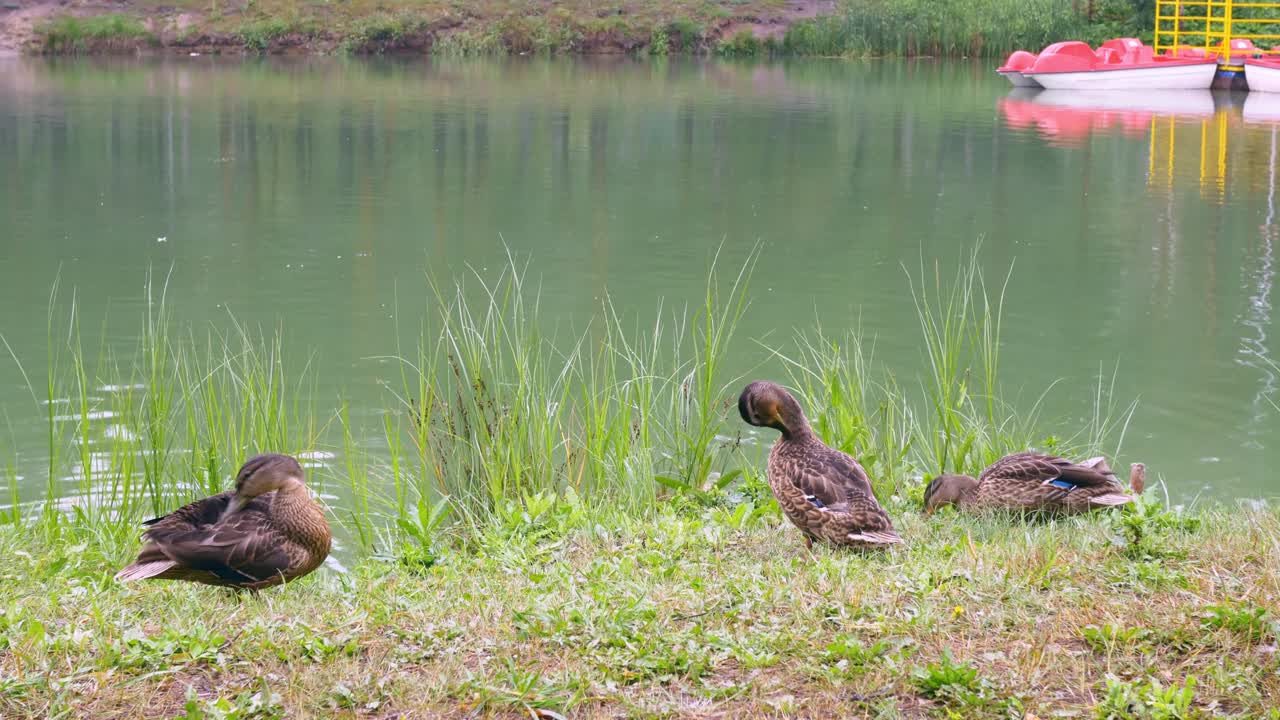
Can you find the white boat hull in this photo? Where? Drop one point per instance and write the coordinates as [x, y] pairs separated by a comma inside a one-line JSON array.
[[1262, 78], [1017, 79], [1171, 77]]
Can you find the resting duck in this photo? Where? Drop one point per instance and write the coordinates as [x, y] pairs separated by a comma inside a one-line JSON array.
[[1034, 482], [265, 532], [823, 491]]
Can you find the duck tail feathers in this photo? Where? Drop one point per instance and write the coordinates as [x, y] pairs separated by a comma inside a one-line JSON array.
[[876, 537], [144, 570]]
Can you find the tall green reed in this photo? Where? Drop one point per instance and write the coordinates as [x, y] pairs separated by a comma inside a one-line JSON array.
[[854, 406], [962, 418], [937, 28], [132, 436], [497, 411]]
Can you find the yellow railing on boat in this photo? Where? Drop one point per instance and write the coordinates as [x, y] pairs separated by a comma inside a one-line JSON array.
[[1211, 25]]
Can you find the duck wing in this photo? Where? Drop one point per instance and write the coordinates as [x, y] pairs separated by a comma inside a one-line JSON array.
[[847, 510], [205, 511], [244, 549], [867, 521], [152, 561], [1040, 469], [832, 480]]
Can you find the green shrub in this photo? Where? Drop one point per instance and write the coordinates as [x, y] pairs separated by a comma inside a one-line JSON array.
[[66, 34], [1148, 701], [659, 41], [382, 31], [685, 35], [743, 44], [258, 36]]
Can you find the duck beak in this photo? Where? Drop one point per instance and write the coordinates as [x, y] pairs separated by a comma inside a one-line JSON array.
[[234, 506]]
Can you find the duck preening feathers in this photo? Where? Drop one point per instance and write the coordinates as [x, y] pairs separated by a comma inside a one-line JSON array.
[[264, 532], [822, 491]]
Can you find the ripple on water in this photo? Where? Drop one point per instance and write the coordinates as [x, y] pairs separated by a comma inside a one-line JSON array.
[[91, 415], [68, 401], [119, 432]]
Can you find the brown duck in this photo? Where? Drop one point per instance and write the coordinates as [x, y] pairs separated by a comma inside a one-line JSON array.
[[1035, 483], [265, 532], [823, 491]]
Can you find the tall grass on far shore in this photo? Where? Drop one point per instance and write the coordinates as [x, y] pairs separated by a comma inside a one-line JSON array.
[[948, 28], [491, 419], [67, 34]]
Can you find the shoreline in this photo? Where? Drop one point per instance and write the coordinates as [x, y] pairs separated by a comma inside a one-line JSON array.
[[732, 28], [94, 27]]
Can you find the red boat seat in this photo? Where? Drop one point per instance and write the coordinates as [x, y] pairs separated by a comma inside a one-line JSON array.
[[1186, 51], [1108, 56], [1020, 60], [1066, 56], [1130, 50], [1122, 44]]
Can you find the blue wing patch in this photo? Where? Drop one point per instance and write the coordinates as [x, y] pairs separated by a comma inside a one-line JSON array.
[[814, 500], [1062, 484]]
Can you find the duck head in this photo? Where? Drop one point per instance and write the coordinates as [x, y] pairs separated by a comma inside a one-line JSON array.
[[947, 490], [262, 474], [766, 404]]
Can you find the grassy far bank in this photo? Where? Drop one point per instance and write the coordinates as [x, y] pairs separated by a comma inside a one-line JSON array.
[[727, 27], [692, 613]]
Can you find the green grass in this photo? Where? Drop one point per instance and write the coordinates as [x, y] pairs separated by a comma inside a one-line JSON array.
[[259, 35], [681, 613], [855, 28], [382, 32], [67, 34], [951, 28]]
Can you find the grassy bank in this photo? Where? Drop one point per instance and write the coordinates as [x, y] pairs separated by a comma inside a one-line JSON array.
[[578, 525], [451, 28], [732, 28], [684, 613]]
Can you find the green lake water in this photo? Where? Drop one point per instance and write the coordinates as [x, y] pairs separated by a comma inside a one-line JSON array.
[[318, 195]]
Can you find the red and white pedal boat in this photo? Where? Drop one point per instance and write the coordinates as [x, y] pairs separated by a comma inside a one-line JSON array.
[[1263, 74], [1121, 64]]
